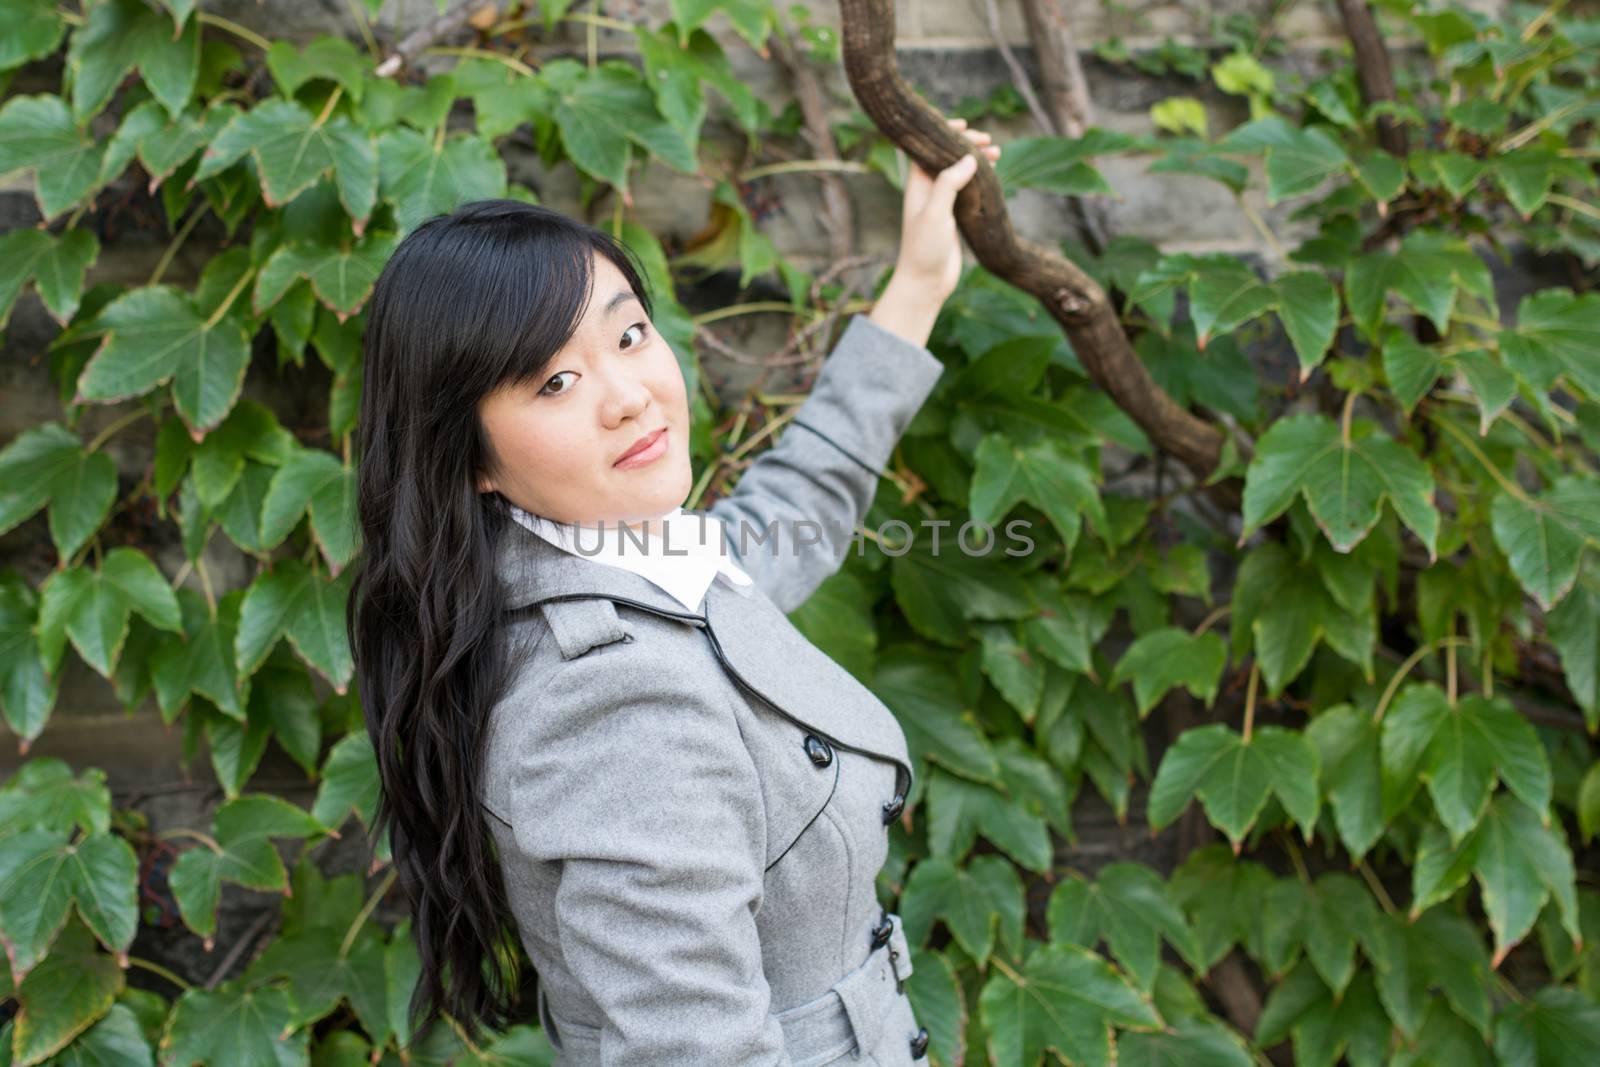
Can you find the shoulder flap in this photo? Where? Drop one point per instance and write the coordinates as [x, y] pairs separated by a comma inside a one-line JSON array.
[[579, 625]]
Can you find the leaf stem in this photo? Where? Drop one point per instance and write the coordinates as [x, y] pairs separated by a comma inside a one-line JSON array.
[[1450, 665], [1377, 887], [1345, 415], [104, 435], [233, 294], [366, 909], [1250, 697], [480, 53], [156, 968], [1472, 446], [176, 243], [1405, 669], [327, 108], [184, 831], [804, 166], [1216, 613], [234, 28]]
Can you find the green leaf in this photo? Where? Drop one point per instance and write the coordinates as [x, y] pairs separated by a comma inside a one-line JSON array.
[[55, 265], [1305, 159], [91, 607], [1129, 906], [424, 176], [37, 133], [119, 35], [202, 660], [1042, 473], [601, 110], [1011, 667], [1428, 272], [960, 810], [242, 829], [1285, 609], [295, 602], [42, 876], [65, 995], [318, 481], [155, 335], [1557, 334], [1067, 1002], [918, 687], [972, 902], [342, 278], [1543, 537], [679, 73], [1557, 1024], [1164, 659], [1347, 750], [293, 150], [1344, 481], [1233, 776], [47, 464], [349, 782], [1309, 307], [1520, 865], [28, 31], [1057, 165], [1574, 627], [234, 1024], [26, 693], [1224, 294]]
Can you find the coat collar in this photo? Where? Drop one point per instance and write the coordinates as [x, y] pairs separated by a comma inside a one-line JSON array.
[[805, 690]]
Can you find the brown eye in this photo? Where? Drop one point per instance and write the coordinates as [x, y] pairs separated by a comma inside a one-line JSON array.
[[644, 332], [543, 391]]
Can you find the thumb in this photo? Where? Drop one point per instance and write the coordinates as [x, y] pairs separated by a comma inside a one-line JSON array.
[[952, 180]]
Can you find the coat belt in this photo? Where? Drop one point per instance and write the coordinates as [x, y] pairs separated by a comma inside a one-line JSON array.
[[849, 1016]]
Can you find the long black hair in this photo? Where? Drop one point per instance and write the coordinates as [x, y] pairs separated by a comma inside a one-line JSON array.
[[469, 302]]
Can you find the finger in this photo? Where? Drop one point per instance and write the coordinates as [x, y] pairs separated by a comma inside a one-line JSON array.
[[957, 123], [949, 182]]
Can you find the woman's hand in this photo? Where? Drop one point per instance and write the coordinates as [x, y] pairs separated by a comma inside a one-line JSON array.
[[930, 243]]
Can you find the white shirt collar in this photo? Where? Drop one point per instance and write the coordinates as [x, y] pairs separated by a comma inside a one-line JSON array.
[[683, 562]]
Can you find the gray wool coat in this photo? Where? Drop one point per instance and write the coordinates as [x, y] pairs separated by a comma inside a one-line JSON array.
[[691, 808]]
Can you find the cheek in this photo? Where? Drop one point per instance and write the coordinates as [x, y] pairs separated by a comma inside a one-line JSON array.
[[531, 447]]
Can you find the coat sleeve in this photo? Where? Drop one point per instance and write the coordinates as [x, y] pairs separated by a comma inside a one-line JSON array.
[[640, 786], [818, 481]]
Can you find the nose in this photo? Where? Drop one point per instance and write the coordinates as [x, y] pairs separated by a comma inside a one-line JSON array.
[[626, 398]]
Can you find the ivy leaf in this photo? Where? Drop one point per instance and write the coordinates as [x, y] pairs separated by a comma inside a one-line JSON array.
[[349, 782], [1285, 609], [750, 19], [295, 602], [244, 854], [163, 142], [1223, 295], [1556, 334], [1574, 627], [202, 662], [940, 593], [1520, 865], [234, 1024], [918, 686], [1044, 474], [91, 608], [1057, 165], [1233, 776], [1557, 1024], [1428, 272], [1164, 659], [1301, 162], [342, 278], [332, 59], [1347, 750], [55, 265], [42, 876], [119, 35], [1543, 537], [29, 31], [38, 133], [678, 72], [601, 110], [972, 902], [1308, 305], [26, 693], [959, 810], [157, 334], [47, 464], [317, 481], [1344, 481], [324, 972], [1067, 1001], [1130, 907], [423, 177], [1011, 667], [68, 983], [1413, 368], [293, 150]]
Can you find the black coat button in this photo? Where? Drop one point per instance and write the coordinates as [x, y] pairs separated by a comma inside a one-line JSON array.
[[892, 808], [818, 750], [919, 1044], [882, 932]]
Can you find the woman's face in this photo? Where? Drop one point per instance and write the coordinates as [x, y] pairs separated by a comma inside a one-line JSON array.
[[556, 441]]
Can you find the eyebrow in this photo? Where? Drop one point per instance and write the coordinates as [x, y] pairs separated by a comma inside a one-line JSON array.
[[620, 298]]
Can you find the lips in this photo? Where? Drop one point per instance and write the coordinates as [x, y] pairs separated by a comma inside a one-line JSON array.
[[640, 445]]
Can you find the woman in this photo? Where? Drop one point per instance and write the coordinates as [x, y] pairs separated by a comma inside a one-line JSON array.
[[688, 802]]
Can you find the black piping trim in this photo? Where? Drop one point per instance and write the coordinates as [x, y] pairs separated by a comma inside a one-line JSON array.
[[901, 770], [809, 821], [848, 454]]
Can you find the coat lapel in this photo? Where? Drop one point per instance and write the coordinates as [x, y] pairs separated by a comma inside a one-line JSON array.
[[754, 640]]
